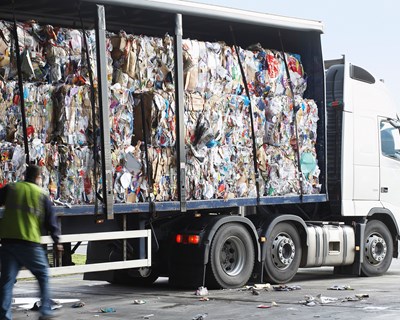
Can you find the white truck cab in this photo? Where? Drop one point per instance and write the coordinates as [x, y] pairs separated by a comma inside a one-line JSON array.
[[363, 146]]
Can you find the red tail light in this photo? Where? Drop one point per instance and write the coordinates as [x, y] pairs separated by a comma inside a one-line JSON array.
[[178, 238], [194, 239], [187, 239]]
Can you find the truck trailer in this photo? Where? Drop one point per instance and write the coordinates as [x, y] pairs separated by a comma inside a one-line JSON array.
[[210, 145]]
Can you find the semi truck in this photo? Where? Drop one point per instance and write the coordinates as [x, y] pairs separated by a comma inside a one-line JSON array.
[[333, 203]]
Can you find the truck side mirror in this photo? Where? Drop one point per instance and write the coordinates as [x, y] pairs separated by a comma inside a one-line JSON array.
[[395, 123]]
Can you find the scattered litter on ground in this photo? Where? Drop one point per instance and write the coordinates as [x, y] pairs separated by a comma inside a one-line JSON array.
[[266, 306], [78, 304], [34, 303], [324, 300], [320, 299], [108, 310], [204, 299], [201, 291], [350, 299], [200, 316], [311, 303], [139, 302], [317, 300], [148, 316], [259, 286], [336, 287], [362, 295], [286, 288]]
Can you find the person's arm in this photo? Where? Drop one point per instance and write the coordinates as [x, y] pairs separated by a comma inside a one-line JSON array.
[[50, 221], [3, 195]]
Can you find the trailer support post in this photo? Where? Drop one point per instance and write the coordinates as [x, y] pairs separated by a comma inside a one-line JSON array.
[[180, 110], [106, 171]]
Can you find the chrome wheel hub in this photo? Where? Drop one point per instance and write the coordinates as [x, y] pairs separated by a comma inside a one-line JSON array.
[[375, 248], [283, 251]]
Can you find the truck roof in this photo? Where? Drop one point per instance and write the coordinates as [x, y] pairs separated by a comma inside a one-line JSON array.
[[59, 10], [219, 12], [203, 22]]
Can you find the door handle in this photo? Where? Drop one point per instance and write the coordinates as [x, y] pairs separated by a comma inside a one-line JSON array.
[[384, 190]]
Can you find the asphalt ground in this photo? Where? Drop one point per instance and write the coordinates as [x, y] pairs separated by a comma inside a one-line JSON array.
[[370, 298]]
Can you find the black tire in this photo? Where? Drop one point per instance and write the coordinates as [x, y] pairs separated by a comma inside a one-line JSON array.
[[378, 249], [231, 257], [283, 253]]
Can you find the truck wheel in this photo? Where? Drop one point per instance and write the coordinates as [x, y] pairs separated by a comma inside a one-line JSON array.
[[135, 277], [378, 249], [231, 257], [283, 254]]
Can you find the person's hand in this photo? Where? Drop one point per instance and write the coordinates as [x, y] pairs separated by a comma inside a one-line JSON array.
[[59, 248]]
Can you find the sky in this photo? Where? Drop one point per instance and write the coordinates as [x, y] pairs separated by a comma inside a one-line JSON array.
[[366, 32]]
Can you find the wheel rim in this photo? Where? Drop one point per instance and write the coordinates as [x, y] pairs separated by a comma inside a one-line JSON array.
[[232, 256], [145, 272], [375, 248], [283, 251]]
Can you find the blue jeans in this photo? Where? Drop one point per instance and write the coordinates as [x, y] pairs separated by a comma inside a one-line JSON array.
[[13, 257]]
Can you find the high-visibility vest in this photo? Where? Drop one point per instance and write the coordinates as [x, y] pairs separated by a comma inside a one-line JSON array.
[[23, 213]]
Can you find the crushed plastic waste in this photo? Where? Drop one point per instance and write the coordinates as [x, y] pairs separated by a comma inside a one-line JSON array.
[[265, 286], [140, 73], [257, 288], [286, 287], [323, 300], [267, 306], [264, 306], [317, 300], [148, 316], [139, 302], [340, 287], [320, 299], [201, 291], [108, 310]]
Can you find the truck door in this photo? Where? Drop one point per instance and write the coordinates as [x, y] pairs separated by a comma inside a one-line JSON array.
[[390, 165]]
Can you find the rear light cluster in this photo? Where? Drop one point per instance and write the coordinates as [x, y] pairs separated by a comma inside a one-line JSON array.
[[187, 238]]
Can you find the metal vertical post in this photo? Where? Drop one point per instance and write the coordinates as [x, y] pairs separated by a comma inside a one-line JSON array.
[[106, 172], [21, 92], [180, 109], [124, 241], [142, 241]]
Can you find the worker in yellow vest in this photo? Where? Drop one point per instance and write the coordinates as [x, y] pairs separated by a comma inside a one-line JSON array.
[[28, 212]]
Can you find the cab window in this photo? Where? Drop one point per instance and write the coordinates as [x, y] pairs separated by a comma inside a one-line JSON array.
[[390, 140]]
